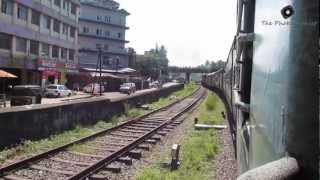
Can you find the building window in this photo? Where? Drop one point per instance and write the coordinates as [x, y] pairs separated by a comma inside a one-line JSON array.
[[5, 41], [56, 26], [107, 19], [106, 60], [55, 52], [107, 33], [73, 9], [64, 53], [35, 18], [65, 29], [119, 35], [46, 22], [99, 32], [22, 12], [7, 7], [21, 45], [98, 46], [72, 32], [65, 5], [45, 50], [85, 29], [71, 55], [57, 2], [106, 47], [34, 47]]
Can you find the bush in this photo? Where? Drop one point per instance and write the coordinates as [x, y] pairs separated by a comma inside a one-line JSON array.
[[211, 102]]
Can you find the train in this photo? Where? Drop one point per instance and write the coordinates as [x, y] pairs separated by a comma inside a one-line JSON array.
[[269, 85]]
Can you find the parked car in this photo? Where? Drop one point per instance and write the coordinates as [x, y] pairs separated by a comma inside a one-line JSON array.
[[57, 90], [26, 95], [154, 84], [93, 87], [128, 88]]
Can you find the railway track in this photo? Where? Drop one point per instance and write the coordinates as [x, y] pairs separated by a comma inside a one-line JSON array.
[[105, 150]]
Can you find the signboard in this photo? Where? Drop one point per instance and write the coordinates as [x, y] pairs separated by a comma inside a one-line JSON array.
[[50, 73], [47, 65], [71, 67], [54, 65]]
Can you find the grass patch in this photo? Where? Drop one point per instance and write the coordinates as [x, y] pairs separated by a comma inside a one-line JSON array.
[[210, 111], [197, 150], [35, 147], [188, 89], [27, 148], [211, 102]]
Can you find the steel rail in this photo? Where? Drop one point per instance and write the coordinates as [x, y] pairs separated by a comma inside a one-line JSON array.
[[25, 162], [102, 163]]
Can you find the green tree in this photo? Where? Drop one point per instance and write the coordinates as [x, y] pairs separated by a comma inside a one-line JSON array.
[[152, 62]]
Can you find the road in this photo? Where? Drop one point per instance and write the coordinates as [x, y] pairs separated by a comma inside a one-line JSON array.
[[80, 95]]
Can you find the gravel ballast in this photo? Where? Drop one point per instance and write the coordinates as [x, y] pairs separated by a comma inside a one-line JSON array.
[[225, 162]]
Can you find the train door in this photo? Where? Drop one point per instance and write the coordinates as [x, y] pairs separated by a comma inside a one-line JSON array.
[[243, 64]]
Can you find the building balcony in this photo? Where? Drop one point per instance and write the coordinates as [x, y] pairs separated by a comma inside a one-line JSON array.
[[117, 52], [105, 7], [102, 37], [103, 22]]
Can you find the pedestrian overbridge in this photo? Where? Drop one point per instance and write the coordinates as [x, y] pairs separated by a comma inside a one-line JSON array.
[[187, 71]]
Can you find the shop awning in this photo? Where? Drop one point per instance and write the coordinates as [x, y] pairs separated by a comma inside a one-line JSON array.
[[127, 70], [123, 70], [97, 74], [97, 70], [4, 74]]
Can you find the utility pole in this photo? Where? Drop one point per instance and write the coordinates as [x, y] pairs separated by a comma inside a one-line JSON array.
[[100, 61]]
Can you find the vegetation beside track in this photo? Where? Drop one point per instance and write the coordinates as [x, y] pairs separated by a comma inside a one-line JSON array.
[[163, 101], [198, 148], [28, 147]]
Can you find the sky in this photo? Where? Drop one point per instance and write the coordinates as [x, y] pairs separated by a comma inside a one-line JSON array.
[[193, 31]]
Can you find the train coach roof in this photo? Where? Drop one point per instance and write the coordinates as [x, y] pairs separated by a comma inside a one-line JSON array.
[[213, 73]]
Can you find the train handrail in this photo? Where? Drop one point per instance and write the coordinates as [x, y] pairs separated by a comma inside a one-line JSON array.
[[239, 104], [284, 168]]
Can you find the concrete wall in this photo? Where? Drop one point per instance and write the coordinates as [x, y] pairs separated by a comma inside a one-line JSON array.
[[41, 121]]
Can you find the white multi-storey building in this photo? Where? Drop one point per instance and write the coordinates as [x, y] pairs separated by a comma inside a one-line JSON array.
[[39, 39], [102, 24]]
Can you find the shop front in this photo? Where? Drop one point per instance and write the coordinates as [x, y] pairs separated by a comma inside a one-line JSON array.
[[71, 71], [55, 72], [49, 71], [30, 73]]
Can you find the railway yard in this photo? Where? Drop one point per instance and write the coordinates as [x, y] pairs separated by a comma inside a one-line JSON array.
[[129, 148]]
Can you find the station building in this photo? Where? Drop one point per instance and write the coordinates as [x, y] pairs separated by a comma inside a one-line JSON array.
[[38, 40], [102, 24]]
